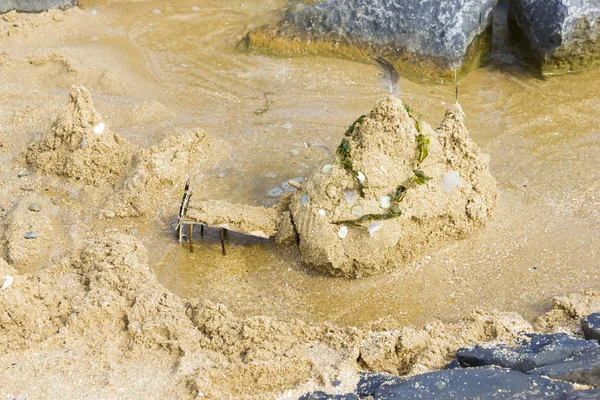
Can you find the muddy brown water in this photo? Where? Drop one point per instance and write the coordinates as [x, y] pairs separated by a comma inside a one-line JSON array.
[[543, 138]]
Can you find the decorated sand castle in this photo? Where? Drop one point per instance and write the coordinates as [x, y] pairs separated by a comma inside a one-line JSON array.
[[395, 187]]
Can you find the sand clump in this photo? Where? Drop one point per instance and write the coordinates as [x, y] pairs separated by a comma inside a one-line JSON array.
[[81, 146], [104, 304], [352, 218], [567, 312], [33, 234], [158, 174]]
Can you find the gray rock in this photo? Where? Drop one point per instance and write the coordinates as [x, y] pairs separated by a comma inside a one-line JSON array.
[[419, 37], [475, 383], [34, 5], [557, 36], [30, 235], [588, 394], [539, 351], [371, 382], [590, 326], [324, 396], [583, 368]]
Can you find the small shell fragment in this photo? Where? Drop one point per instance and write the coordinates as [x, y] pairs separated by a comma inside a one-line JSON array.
[[343, 232], [360, 176], [275, 192], [350, 196], [331, 191], [327, 168], [98, 129], [374, 227], [357, 211], [322, 212], [8, 280], [384, 202], [304, 200], [450, 180], [31, 235]]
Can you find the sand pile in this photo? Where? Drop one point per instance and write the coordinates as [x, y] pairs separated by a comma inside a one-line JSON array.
[[158, 174], [395, 187], [33, 234], [81, 146], [105, 305]]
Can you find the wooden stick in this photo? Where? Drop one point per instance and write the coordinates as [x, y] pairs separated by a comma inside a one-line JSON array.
[[190, 229], [223, 241]]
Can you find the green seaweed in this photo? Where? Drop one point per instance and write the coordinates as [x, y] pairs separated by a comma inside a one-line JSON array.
[[420, 177], [399, 193], [393, 212], [423, 143], [419, 124], [344, 151], [408, 110], [350, 129]]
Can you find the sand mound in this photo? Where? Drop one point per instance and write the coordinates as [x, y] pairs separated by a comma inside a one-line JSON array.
[[395, 187], [158, 174], [34, 234], [80, 145], [106, 313], [568, 311]]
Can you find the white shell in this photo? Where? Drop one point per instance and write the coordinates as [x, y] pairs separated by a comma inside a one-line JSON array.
[[343, 232], [322, 212], [384, 202], [374, 227], [98, 129], [350, 196], [8, 280], [450, 180], [327, 168], [360, 176], [357, 211]]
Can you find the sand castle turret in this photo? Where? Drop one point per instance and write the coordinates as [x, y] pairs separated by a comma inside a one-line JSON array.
[[81, 146]]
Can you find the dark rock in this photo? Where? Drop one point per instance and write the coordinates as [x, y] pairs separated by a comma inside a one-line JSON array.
[[423, 39], [370, 382], [539, 351], [590, 326], [34, 5], [557, 36], [453, 364], [324, 396], [583, 368], [475, 383], [588, 394]]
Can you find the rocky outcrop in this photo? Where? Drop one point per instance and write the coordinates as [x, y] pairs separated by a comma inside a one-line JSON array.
[[35, 5], [424, 40], [557, 36]]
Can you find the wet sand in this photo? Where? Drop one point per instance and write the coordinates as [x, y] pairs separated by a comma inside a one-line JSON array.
[[151, 72]]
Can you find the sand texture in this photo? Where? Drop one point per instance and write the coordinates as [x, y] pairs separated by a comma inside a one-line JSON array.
[[106, 310]]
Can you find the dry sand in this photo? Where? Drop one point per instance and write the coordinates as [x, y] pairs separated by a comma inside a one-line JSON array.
[[86, 315]]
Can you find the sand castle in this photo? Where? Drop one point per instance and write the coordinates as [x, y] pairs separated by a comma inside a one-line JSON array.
[[394, 188], [80, 145]]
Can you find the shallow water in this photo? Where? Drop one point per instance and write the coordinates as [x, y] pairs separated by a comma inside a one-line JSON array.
[[543, 138]]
